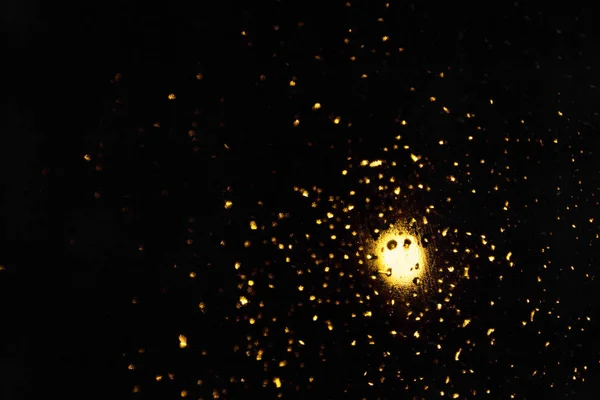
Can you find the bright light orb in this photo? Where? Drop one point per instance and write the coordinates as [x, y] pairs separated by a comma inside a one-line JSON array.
[[400, 258]]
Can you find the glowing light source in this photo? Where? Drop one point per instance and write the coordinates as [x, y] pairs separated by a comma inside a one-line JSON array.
[[399, 257]]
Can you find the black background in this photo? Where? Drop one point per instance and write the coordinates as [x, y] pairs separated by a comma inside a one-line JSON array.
[[72, 262]]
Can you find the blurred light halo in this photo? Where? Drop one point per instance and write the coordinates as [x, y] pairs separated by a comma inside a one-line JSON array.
[[399, 258]]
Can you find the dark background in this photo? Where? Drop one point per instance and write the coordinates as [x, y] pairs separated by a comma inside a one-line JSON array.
[[72, 262]]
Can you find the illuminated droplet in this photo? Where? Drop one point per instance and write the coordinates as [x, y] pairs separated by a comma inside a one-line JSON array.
[[182, 342]]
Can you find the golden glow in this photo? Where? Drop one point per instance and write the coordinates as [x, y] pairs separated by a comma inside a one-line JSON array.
[[399, 258], [182, 342]]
